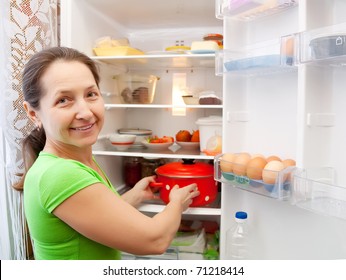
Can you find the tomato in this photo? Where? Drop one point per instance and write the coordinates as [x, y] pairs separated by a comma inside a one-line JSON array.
[[165, 139], [168, 139], [183, 136]]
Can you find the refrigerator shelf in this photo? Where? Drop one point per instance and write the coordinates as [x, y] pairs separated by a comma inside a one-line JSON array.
[[315, 190], [160, 61], [248, 10], [280, 190], [104, 147]]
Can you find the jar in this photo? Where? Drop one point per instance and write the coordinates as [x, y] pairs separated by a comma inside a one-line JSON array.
[[132, 170], [149, 166]]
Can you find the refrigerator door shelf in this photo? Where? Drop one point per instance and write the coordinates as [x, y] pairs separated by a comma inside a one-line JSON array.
[[280, 190], [248, 10], [315, 190]]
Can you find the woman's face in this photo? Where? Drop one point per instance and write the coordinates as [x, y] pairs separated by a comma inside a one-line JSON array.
[[71, 108]]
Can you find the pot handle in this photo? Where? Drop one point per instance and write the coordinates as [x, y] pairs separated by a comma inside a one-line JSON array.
[[155, 184]]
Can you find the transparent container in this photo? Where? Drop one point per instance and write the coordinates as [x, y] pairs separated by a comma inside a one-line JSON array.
[[237, 238], [136, 89]]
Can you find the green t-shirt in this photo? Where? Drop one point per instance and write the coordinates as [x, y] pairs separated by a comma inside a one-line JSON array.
[[48, 183]]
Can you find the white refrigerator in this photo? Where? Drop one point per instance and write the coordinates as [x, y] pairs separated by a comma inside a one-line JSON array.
[[279, 98]]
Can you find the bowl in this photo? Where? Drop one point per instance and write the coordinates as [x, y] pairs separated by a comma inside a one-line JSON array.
[[136, 89], [122, 141], [188, 145], [191, 100], [157, 146], [141, 134]]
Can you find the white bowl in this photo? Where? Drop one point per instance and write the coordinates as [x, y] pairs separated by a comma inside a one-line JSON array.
[[122, 141], [188, 145]]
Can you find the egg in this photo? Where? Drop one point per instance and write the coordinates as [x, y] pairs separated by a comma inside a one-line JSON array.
[[271, 171], [258, 155], [273, 158], [255, 167], [240, 163], [226, 162], [289, 162]]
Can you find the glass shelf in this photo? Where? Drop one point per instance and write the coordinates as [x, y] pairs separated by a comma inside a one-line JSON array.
[[248, 10], [160, 61], [158, 106], [104, 147]]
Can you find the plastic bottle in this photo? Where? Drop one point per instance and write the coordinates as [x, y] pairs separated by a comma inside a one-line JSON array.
[[237, 238]]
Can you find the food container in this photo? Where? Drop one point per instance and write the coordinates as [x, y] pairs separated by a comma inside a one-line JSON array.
[[209, 127], [136, 89], [141, 134], [185, 173], [117, 51], [328, 46], [149, 165], [132, 170], [190, 100]]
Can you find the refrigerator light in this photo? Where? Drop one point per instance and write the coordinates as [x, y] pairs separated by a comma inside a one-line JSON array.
[[179, 83]]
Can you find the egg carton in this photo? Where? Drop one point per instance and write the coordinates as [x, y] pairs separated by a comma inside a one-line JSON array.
[[280, 189]]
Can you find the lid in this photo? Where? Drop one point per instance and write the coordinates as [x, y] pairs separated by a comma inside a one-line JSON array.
[[135, 131], [186, 169], [211, 120], [241, 215]]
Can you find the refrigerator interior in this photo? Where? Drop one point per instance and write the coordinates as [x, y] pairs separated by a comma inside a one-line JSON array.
[[150, 28], [295, 112], [292, 114]]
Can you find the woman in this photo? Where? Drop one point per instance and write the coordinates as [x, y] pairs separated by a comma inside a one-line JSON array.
[[72, 210]]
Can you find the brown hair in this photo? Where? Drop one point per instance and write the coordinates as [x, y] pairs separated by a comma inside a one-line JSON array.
[[34, 143]]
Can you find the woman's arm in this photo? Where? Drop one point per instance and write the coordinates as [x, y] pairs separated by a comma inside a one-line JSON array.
[[99, 214], [140, 192]]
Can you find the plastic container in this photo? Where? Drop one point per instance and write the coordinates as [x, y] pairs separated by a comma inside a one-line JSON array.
[[328, 46], [237, 238], [136, 89], [209, 127]]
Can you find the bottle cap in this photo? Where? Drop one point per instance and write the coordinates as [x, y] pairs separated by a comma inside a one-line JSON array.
[[241, 215]]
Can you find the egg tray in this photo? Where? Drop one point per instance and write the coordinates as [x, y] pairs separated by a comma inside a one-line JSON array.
[[280, 190]]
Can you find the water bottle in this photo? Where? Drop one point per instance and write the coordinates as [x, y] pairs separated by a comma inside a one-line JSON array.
[[237, 243]]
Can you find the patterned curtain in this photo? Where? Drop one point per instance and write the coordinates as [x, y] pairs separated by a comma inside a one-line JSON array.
[[26, 27]]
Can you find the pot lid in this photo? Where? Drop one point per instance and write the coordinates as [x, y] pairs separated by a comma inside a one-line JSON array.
[[135, 131], [186, 169]]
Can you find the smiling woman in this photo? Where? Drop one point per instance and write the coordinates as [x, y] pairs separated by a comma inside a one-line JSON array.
[[72, 209]]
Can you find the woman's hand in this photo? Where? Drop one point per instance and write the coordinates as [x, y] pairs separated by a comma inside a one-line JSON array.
[[184, 195], [140, 192]]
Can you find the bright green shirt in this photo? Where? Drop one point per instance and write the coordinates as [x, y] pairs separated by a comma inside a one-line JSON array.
[[48, 183]]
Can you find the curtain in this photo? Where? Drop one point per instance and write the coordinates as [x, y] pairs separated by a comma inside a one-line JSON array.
[[26, 27]]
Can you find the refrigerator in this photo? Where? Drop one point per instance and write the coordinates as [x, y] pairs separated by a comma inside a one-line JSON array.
[[279, 97]]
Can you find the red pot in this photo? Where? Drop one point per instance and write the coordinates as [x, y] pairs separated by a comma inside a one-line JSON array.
[[185, 173]]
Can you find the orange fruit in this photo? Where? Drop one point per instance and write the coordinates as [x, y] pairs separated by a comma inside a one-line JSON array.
[[183, 136], [195, 136]]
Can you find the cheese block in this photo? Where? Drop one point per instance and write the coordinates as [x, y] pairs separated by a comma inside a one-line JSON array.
[[204, 46]]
